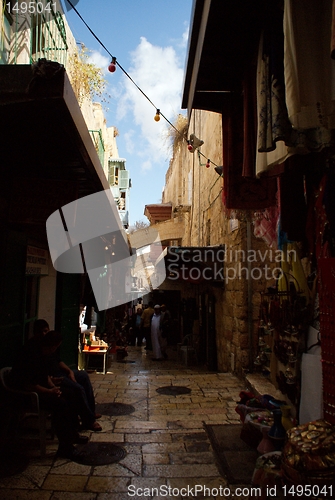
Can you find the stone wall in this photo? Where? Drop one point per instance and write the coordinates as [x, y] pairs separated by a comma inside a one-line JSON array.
[[198, 190]]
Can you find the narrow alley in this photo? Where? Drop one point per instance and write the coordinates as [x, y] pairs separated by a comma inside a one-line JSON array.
[[164, 437]]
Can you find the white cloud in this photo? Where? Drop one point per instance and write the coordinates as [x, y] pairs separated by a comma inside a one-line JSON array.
[[129, 140], [146, 166], [181, 43], [99, 60], [158, 73]]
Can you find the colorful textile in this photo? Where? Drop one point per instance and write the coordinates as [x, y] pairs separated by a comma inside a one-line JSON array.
[[309, 70], [273, 122], [274, 127], [266, 226], [242, 192]]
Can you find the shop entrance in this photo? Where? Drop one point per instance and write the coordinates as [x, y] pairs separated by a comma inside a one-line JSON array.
[[207, 329], [31, 304], [172, 300]]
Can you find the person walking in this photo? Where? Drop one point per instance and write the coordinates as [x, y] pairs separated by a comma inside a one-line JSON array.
[[146, 323], [136, 329], [165, 327], [156, 333]]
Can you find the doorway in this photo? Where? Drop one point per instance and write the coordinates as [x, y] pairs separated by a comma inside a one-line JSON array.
[[32, 286], [172, 300], [207, 329]]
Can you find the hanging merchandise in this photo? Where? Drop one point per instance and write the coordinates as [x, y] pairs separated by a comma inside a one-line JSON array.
[[286, 419], [274, 127], [283, 325], [293, 275], [308, 67], [277, 432], [327, 327], [311, 388], [308, 457], [266, 225]]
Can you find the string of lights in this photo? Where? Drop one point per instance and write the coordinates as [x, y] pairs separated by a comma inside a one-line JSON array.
[[112, 67]]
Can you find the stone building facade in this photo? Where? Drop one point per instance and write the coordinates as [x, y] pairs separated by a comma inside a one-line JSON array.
[[195, 191], [54, 150]]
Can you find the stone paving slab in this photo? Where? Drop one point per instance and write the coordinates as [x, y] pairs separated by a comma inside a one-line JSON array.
[[17, 494], [164, 438], [65, 483], [156, 459]]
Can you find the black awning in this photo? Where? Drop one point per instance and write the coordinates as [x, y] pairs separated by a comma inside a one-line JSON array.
[[224, 35], [195, 264], [47, 156]]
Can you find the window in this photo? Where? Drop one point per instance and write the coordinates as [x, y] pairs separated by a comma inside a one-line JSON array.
[[122, 201], [123, 179], [113, 176], [118, 177]]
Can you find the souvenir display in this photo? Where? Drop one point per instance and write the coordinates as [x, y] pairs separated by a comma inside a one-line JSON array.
[[327, 325], [309, 453], [283, 323]]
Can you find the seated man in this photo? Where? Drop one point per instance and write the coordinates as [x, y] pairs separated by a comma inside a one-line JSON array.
[[30, 372], [75, 380]]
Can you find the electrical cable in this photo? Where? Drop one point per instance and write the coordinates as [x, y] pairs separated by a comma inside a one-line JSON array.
[[119, 65], [130, 78]]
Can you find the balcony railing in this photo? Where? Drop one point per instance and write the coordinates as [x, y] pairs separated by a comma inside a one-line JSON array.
[[28, 34], [99, 144], [48, 37]]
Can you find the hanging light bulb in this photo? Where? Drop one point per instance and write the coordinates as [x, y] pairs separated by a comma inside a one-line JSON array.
[[157, 116], [112, 66], [208, 164], [190, 147]]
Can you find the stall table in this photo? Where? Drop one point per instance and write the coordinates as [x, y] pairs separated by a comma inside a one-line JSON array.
[[96, 352]]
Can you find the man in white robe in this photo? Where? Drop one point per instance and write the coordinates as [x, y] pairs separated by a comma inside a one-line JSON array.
[[155, 333]]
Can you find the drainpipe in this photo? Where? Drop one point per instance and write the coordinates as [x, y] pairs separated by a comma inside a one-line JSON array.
[[250, 315]]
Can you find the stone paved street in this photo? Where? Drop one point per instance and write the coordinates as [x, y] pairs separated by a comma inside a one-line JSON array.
[[164, 437]]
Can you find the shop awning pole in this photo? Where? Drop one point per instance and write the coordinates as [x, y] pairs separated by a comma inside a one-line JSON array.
[[250, 316]]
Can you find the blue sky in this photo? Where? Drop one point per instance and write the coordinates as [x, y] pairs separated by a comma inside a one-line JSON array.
[[149, 40]]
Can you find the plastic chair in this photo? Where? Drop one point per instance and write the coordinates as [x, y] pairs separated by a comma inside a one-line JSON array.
[[30, 405]]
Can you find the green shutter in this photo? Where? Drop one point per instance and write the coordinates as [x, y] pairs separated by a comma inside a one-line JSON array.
[[123, 179], [111, 175]]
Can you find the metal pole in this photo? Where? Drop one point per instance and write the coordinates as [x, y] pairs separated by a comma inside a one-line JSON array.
[[250, 316]]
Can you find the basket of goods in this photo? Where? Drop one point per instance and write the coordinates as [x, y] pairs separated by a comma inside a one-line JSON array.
[[91, 348], [95, 345], [309, 454]]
